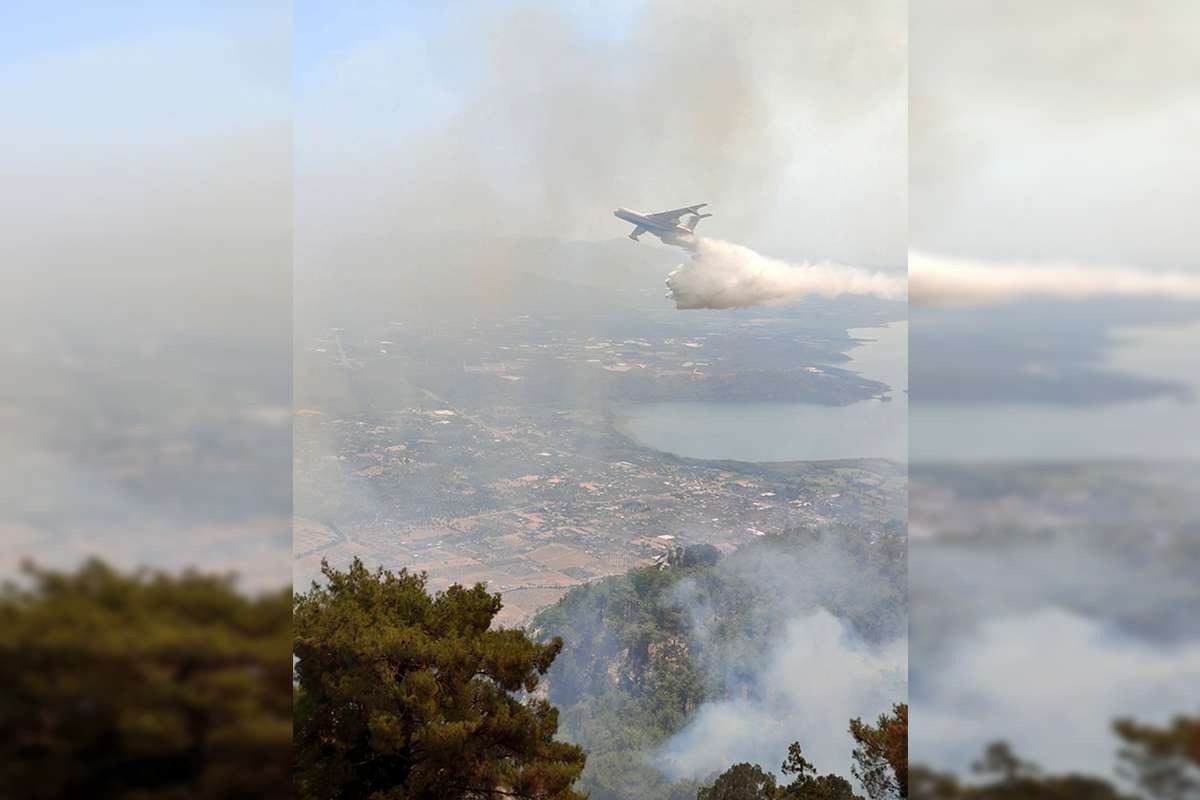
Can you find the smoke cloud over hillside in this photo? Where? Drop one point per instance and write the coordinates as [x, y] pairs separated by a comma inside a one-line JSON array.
[[825, 641], [935, 280], [721, 274], [819, 676], [1013, 669]]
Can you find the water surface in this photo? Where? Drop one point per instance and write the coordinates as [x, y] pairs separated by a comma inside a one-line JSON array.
[[791, 431], [1152, 429]]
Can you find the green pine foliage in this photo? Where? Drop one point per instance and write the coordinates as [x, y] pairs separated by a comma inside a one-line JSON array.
[[881, 754], [143, 686], [1001, 775], [1164, 760], [741, 782], [808, 783], [401, 694], [751, 782]]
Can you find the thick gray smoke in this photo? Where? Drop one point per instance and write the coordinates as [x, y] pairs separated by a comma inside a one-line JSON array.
[[826, 641], [721, 274], [529, 121], [1060, 592], [1014, 670], [935, 280], [819, 676], [1089, 144]]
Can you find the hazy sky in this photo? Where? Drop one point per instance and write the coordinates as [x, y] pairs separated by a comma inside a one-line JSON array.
[[146, 157], [1056, 130], [518, 119]]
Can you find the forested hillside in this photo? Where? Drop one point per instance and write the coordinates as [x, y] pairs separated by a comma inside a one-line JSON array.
[[646, 650]]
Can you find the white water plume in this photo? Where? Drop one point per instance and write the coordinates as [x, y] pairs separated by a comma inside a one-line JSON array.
[[721, 274], [935, 280]]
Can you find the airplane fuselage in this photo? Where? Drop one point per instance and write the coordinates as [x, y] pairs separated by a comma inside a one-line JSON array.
[[672, 233]]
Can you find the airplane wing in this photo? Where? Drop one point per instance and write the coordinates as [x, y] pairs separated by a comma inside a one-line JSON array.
[[675, 214]]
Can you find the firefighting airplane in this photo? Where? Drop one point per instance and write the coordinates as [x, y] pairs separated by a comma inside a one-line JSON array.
[[665, 224]]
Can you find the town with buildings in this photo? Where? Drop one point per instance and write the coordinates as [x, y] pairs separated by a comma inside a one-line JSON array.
[[499, 457]]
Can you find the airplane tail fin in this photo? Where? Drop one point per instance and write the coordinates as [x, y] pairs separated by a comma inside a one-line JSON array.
[[694, 220]]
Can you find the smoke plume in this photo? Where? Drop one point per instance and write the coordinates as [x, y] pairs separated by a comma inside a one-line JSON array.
[[528, 121], [725, 275], [819, 676], [827, 641], [1003, 680], [935, 280]]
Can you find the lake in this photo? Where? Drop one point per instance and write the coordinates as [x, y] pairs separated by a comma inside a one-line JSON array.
[[791, 431], [1157, 428]]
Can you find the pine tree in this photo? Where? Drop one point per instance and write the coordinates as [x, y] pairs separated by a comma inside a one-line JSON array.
[[143, 685], [740, 782], [808, 785], [405, 695], [881, 754], [1165, 761]]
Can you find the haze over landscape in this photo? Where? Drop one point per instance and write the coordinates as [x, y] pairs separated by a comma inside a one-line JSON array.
[[573, 516], [472, 325], [146, 388], [1053, 302]]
